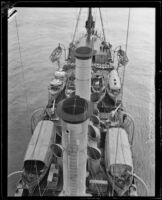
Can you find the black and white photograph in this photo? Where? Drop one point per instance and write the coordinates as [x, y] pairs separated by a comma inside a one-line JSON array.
[[81, 101]]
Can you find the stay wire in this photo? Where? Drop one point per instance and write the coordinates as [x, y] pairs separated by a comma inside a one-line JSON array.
[[94, 178], [102, 25], [95, 11], [116, 156], [76, 25], [122, 93], [38, 179], [22, 67], [127, 31], [126, 50]]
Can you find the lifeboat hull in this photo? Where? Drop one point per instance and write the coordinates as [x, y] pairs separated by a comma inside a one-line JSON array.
[[118, 159], [114, 84]]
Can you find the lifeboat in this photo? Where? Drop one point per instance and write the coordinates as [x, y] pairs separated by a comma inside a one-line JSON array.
[[114, 84], [122, 57], [56, 54], [118, 160], [98, 87], [61, 75], [55, 87], [98, 83], [38, 157]]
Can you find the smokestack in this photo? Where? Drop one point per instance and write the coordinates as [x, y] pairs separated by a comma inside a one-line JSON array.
[[75, 113], [83, 72]]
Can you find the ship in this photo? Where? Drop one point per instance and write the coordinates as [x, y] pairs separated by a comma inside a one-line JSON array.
[[81, 143]]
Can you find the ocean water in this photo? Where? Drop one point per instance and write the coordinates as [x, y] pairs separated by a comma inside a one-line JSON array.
[[40, 30]]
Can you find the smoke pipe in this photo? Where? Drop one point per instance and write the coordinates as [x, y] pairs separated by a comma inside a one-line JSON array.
[[83, 57], [75, 113]]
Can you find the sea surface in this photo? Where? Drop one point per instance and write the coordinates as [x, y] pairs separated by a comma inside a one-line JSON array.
[[39, 32]]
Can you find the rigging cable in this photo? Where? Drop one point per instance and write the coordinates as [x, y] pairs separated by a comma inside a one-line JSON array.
[[129, 115], [127, 31], [46, 188], [117, 144], [93, 175], [95, 11], [102, 25], [76, 24], [140, 179], [125, 52], [122, 90], [22, 67], [94, 178], [38, 179]]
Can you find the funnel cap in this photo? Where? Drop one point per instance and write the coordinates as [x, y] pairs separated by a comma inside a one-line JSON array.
[[83, 53], [74, 110]]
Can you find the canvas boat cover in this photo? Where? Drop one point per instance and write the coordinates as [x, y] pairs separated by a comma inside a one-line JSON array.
[[41, 140], [114, 80], [118, 155]]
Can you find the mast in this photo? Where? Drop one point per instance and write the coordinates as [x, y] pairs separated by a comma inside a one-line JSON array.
[[90, 24]]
